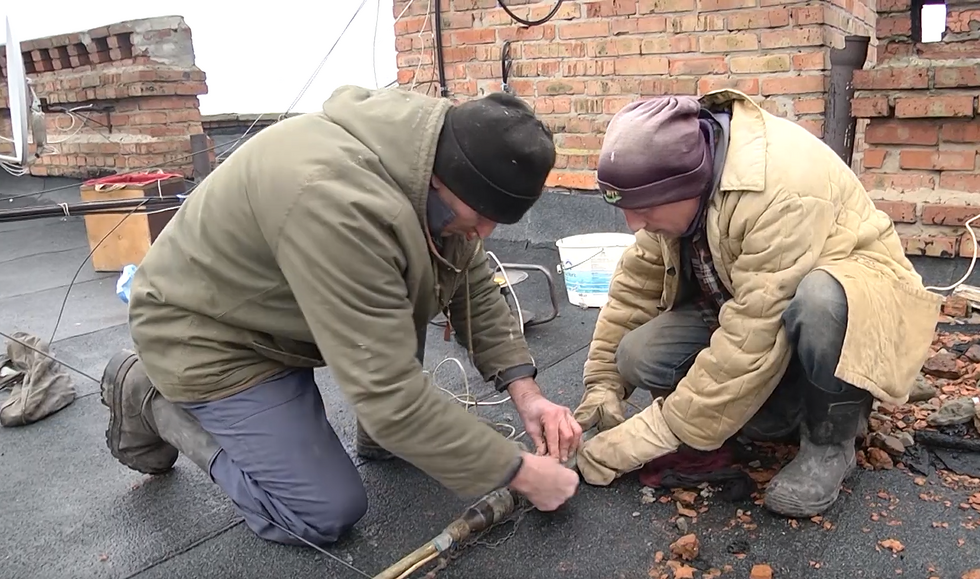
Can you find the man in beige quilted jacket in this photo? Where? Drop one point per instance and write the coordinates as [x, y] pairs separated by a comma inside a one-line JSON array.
[[764, 295]]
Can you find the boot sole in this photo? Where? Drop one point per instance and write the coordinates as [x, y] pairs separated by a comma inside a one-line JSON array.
[[117, 368], [796, 510]]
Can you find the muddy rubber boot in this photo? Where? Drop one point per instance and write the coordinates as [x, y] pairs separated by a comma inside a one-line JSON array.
[[811, 483], [132, 434], [367, 448]]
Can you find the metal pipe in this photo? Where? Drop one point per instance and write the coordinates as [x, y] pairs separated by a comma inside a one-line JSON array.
[[839, 125], [440, 54], [552, 291], [485, 513]]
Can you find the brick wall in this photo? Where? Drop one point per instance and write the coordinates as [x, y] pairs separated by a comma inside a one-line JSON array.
[[133, 88], [922, 136], [593, 57]]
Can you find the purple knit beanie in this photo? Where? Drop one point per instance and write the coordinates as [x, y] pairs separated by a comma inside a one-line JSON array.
[[654, 153]]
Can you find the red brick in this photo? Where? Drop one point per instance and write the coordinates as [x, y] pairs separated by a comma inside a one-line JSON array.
[[960, 182], [948, 50], [638, 25], [412, 25], [560, 86], [669, 44], [864, 108], [607, 8], [894, 5], [961, 131], [814, 106], [793, 84], [812, 36], [451, 20], [936, 106], [930, 245], [648, 6], [685, 86], [897, 211], [612, 105], [967, 245], [897, 181], [698, 66], [642, 65], [572, 68], [946, 214], [933, 160], [625, 46], [874, 158], [595, 29], [554, 50], [729, 42], [902, 133], [748, 86], [590, 142], [891, 78], [581, 180], [814, 126], [697, 23], [811, 61], [765, 18], [760, 64], [474, 36], [808, 15], [964, 21], [543, 32], [958, 77], [614, 86], [552, 105], [712, 5], [897, 25], [568, 11]]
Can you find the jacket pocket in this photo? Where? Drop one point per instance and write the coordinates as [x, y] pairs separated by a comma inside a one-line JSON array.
[[288, 358]]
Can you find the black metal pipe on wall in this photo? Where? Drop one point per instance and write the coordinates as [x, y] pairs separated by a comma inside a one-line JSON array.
[[839, 125], [440, 61]]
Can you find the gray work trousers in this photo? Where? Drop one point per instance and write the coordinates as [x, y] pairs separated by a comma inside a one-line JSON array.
[[657, 355], [281, 460]]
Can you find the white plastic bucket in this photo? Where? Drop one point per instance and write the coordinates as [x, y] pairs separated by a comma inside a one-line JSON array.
[[587, 264]]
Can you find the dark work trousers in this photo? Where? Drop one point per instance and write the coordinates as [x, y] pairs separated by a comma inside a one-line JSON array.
[[657, 355], [280, 459]]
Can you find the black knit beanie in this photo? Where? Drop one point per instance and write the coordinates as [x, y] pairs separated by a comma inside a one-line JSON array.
[[495, 155]]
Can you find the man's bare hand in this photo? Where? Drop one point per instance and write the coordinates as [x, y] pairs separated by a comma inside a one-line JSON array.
[[551, 426]]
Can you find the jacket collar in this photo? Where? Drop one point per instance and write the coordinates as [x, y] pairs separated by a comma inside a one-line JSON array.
[[745, 166]]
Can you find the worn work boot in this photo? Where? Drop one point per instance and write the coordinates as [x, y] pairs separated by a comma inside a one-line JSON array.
[[146, 433], [811, 483], [367, 448], [132, 435]]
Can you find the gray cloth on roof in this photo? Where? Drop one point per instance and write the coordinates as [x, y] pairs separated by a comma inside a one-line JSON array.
[[39, 386]]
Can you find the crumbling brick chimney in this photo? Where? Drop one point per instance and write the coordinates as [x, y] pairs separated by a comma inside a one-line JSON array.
[[132, 88]]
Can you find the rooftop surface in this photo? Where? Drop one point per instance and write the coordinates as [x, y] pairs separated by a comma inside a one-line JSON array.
[[71, 511]]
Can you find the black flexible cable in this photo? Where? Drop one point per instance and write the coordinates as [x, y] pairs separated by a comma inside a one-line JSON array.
[[440, 60], [505, 64], [113, 206], [529, 23]]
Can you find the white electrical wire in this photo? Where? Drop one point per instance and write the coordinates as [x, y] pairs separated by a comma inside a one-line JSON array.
[[973, 260], [467, 399]]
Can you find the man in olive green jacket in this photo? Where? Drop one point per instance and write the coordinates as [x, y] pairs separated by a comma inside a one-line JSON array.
[[334, 239]]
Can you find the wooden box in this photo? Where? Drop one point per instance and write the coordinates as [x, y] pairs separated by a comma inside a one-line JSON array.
[[131, 240]]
